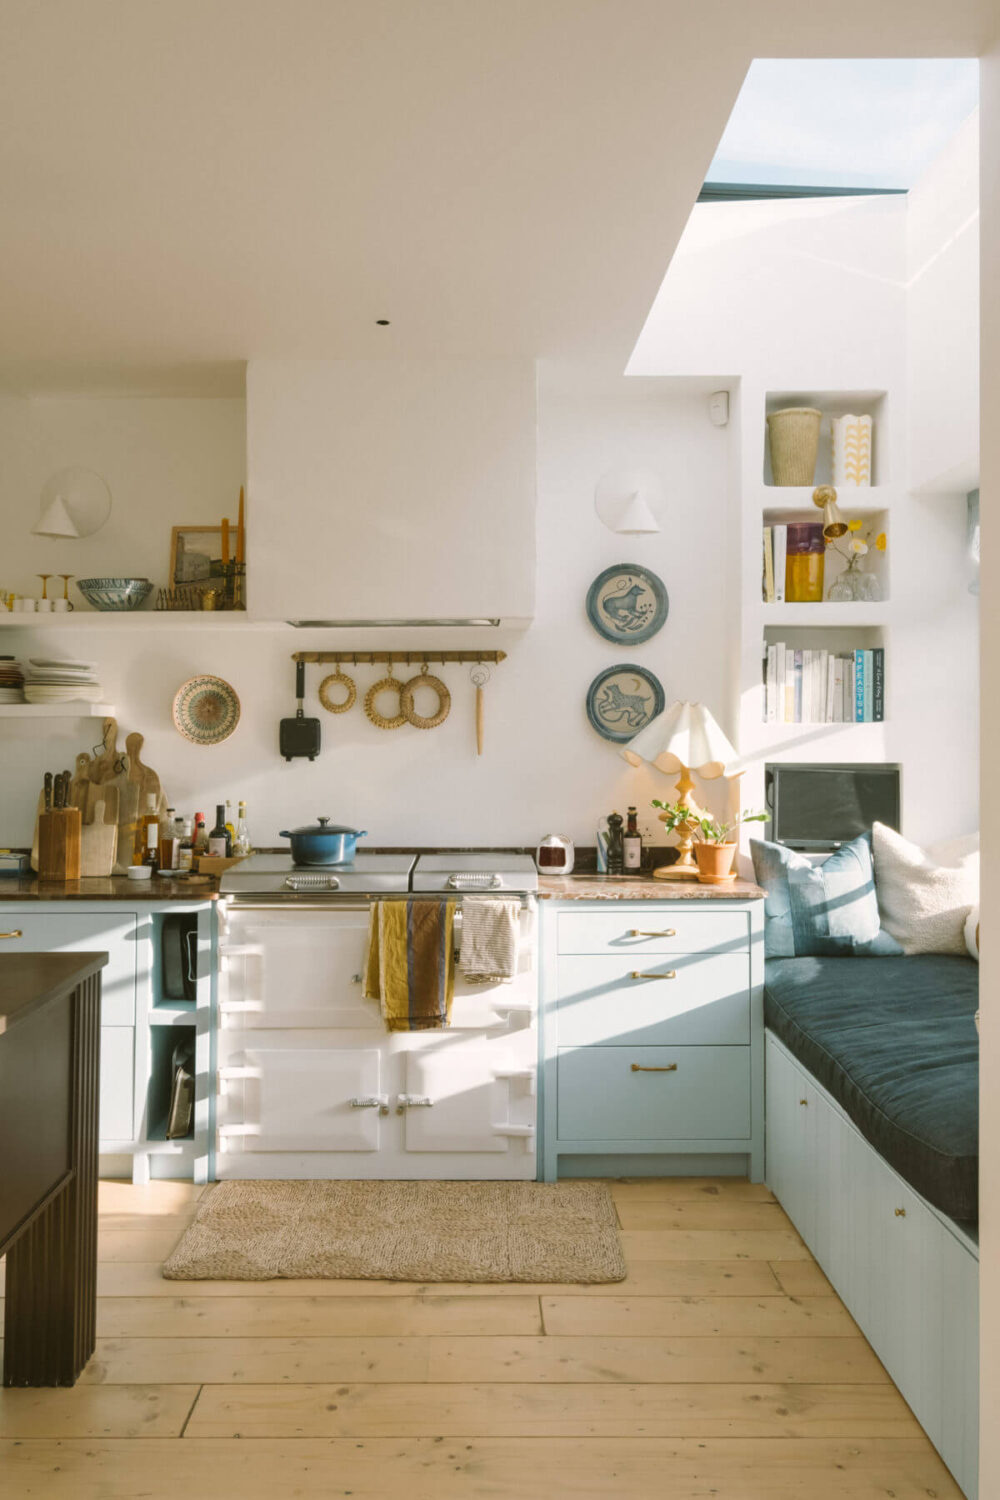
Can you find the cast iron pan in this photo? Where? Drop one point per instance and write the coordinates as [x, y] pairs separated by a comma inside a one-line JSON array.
[[299, 736]]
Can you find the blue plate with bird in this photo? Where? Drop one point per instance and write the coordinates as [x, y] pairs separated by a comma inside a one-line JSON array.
[[627, 604], [622, 700]]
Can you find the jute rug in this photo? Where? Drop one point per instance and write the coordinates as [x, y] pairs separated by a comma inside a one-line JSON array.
[[402, 1231]]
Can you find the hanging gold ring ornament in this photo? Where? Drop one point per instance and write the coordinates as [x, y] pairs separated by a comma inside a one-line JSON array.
[[345, 682], [424, 679], [388, 684]]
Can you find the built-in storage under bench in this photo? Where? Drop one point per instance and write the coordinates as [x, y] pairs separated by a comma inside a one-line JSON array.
[[652, 1036]]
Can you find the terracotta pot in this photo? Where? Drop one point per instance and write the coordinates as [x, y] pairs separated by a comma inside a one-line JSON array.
[[715, 862]]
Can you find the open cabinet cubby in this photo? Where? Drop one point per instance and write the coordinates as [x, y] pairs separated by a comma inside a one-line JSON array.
[[826, 676], [874, 522], [833, 404], [170, 1047]]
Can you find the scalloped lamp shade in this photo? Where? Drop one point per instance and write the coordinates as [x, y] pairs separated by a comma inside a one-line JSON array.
[[55, 520], [684, 736]]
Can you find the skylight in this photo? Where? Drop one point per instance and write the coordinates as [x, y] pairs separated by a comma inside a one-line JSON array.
[[849, 125]]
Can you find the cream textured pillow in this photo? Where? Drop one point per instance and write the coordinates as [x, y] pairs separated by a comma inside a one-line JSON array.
[[924, 896]]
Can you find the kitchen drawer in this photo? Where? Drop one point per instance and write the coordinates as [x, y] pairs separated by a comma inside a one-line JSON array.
[[113, 933], [117, 1083], [687, 999], [696, 1093], [652, 931]]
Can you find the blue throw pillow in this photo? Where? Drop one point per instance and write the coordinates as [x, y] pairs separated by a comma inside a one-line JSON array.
[[827, 910]]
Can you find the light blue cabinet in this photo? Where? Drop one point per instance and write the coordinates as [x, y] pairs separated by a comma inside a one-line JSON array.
[[652, 1036], [908, 1275]]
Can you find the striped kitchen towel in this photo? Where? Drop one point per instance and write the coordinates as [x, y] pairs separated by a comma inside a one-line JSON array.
[[410, 968]]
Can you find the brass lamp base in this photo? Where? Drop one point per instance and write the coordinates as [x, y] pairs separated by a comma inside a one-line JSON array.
[[676, 872]]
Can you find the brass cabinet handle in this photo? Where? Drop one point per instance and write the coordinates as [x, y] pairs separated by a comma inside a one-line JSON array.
[[900, 1213], [805, 1102], [670, 1068], [16, 933], [638, 974], [667, 932]]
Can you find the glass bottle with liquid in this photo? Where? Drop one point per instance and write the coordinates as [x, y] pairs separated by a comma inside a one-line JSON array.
[[148, 819], [230, 825], [241, 843], [219, 842], [169, 842], [632, 844]]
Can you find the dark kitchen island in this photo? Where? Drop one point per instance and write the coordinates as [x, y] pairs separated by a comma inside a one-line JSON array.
[[50, 1030]]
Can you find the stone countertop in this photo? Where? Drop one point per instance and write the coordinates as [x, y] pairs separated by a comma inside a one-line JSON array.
[[628, 888], [109, 888]]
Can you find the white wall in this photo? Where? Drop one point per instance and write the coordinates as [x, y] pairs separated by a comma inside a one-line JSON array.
[[544, 768], [989, 1096], [166, 462], [811, 296], [942, 319]]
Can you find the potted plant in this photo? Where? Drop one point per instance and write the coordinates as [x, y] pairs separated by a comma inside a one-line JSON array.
[[714, 851]]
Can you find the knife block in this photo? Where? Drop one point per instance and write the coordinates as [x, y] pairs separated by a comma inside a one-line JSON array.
[[59, 841]]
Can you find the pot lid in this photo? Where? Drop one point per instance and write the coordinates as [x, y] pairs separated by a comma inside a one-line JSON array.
[[323, 826]]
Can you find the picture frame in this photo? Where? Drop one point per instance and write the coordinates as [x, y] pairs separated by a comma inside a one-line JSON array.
[[196, 556]]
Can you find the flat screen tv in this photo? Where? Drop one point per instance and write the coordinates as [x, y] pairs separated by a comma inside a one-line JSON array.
[[821, 806]]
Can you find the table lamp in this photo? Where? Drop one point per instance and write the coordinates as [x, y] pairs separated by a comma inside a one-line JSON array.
[[683, 738]]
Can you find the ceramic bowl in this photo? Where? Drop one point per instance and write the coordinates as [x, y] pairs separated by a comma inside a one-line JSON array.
[[114, 593]]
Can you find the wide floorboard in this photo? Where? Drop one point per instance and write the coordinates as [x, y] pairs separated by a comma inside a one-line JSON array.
[[723, 1363]]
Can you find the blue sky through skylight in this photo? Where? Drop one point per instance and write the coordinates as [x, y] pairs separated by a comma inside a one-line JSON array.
[[866, 123]]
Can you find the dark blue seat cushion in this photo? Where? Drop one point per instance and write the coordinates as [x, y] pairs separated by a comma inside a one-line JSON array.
[[894, 1041]]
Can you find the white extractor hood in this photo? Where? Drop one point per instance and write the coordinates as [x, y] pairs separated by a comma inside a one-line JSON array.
[[391, 492]]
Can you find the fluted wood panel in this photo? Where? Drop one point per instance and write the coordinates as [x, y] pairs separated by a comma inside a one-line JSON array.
[[52, 1267]]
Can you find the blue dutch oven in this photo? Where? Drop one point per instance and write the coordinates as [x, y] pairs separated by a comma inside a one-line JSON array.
[[323, 843]]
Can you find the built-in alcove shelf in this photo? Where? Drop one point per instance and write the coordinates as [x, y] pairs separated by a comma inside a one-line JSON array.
[[810, 681], [840, 403], [874, 521]]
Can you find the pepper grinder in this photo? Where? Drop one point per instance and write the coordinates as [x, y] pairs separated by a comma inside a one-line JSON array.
[[616, 852]]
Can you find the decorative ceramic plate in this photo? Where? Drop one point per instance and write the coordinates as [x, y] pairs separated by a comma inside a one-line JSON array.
[[206, 710], [627, 604], [622, 700]]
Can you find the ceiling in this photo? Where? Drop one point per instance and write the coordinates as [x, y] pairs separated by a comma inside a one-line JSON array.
[[186, 184]]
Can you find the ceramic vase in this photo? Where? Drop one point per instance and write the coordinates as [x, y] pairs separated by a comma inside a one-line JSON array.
[[851, 439]]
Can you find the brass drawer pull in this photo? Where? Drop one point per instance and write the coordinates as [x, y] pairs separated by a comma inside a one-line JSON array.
[[900, 1213], [667, 932], [670, 1068], [804, 1101], [638, 974], [16, 933]]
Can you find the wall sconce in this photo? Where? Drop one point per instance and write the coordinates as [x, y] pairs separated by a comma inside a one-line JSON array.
[[75, 502], [624, 499], [825, 499]]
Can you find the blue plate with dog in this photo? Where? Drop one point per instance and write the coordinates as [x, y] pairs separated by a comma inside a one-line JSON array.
[[627, 604], [622, 700]]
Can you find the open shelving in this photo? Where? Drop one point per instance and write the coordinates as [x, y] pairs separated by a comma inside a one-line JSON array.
[[74, 710], [832, 403]]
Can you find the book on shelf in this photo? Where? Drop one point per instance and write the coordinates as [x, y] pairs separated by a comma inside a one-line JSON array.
[[810, 686], [768, 567], [779, 545]]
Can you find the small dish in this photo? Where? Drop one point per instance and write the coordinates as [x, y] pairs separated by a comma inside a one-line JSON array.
[[139, 872], [622, 700]]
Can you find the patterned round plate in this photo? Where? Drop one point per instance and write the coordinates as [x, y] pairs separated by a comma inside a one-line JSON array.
[[206, 710], [622, 700], [627, 603]]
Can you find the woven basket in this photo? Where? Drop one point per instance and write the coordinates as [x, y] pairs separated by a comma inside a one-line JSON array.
[[793, 438]]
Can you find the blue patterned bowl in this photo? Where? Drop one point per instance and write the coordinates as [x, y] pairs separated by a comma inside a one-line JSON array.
[[114, 593]]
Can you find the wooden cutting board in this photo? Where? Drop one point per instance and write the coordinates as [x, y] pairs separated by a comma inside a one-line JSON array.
[[105, 796], [103, 767], [99, 841], [143, 776], [81, 781]]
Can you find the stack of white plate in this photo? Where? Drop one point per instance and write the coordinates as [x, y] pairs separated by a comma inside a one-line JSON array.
[[11, 680], [49, 681]]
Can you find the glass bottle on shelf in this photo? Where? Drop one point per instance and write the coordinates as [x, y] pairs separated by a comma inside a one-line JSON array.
[[200, 834], [241, 843], [168, 841], [185, 855], [148, 819], [151, 855], [632, 844], [804, 563], [219, 842], [230, 825]]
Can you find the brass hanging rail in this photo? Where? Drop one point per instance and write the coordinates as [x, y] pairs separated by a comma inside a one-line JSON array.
[[411, 657]]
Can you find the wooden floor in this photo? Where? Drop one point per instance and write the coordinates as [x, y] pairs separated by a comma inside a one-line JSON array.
[[724, 1366]]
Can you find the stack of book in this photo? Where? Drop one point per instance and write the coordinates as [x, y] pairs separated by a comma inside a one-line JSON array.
[[823, 687]]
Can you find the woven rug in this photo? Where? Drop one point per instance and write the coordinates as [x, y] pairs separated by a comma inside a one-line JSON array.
[[402, 1231]]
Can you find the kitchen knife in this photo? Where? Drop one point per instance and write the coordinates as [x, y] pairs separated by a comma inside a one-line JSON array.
[[48, 791], [57, 793]]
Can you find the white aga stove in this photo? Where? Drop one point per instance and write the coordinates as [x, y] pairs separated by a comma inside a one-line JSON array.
[[311, 1085]]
